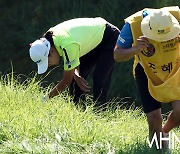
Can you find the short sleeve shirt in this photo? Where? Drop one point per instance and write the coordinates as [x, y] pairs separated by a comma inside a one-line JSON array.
[[71, 56], [125, 38], [76, 37]]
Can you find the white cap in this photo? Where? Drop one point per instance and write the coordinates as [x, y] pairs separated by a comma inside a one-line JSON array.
[[39, 52]]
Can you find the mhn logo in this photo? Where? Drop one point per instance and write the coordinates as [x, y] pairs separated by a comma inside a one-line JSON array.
[[172, 137]]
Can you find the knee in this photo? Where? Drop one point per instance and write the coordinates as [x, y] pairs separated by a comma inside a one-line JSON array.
[[98, 80], [176, 110], [176, 113], [154, 117], [175, 116]]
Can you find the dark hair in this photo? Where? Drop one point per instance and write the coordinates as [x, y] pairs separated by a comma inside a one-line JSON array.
[[48, 35]]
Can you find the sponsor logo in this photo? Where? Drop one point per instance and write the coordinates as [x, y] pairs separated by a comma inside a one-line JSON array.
[[149, 51], [38, 61], [121, 39], [70, 63]]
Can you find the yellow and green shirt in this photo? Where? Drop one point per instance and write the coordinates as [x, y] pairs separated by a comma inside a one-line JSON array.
[[76, 37]]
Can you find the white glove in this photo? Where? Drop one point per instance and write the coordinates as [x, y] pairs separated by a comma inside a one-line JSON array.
[[45, 98]]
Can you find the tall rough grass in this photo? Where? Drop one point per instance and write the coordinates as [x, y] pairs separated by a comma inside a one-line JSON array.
[[30, 125]]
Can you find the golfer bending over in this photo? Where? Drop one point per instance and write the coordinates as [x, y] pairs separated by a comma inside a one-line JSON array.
[[82, 43]]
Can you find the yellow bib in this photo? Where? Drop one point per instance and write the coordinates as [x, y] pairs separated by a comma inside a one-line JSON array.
[[161, 61]]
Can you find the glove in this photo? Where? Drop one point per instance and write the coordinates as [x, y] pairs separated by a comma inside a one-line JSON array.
[[45, 98]]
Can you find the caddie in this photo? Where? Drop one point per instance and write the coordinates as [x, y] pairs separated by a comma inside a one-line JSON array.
[[152, 37]]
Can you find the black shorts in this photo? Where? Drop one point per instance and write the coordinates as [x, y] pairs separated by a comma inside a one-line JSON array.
[[148, 102]]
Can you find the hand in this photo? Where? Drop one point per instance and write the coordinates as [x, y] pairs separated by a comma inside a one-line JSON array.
[[142, 43], [82, 83]]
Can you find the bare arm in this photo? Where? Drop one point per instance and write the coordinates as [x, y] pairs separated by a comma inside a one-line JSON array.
[[122, 54], [65, 82]]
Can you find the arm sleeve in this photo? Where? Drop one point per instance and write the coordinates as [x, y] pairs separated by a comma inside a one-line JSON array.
[[125, 38], [71, 56]]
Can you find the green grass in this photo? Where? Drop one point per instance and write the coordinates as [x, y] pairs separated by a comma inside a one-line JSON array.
[[29, 125]]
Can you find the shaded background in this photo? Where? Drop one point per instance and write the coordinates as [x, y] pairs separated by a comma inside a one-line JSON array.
[[22, 22]]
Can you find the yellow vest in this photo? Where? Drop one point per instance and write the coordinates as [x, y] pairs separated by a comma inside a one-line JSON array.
[[161, 60]]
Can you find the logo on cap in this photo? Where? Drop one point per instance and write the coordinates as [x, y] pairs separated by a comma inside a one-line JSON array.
[[38, 61], [164, 31]]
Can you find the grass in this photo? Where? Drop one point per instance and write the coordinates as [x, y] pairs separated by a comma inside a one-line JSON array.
[[29, 125]]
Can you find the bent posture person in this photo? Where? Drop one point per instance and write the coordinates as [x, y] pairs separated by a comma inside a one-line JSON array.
[[152, 36], [82, 43]]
